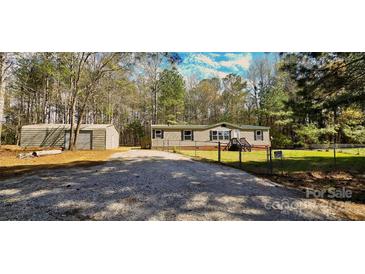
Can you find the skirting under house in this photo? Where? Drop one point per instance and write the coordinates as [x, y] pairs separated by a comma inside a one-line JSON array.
[[96, 136]]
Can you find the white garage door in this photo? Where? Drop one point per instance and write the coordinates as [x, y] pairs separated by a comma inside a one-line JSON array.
[[83, 139]]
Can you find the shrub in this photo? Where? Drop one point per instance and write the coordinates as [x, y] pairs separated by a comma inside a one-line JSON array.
[[281, 141], [145, 142], [309, 134], [355, 134]]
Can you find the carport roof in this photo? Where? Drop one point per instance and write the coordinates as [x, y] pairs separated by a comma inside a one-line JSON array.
[[67, 126], [203, 127]]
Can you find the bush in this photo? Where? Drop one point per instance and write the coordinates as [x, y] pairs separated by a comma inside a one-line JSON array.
[[145, 142], [299, 144], [309, 134], [281, 141], [355, 134], [8, 135]]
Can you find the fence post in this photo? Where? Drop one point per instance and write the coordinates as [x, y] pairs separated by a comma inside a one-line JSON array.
[[270, 164], [219, 151], [195, 147], [168, 145], [240, 152], [334, 152]]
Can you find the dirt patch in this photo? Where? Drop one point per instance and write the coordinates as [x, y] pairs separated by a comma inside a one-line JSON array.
[[315, 180], [13, 150], [73, 214], [131, 200], [320, 180], [11, 165]]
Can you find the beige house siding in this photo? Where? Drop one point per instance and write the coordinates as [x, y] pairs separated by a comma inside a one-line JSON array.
[[57, 135], [112, 138], [42, 137], [98, 139], [84, 139], [202, 138], [250, 137]]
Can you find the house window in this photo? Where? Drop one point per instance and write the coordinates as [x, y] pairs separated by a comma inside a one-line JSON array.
[[226, 135], [158, 134], [220, 135], [188, 135], [259, 135], [214, 135]]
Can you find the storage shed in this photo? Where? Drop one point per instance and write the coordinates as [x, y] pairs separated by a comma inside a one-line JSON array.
[[96, 136]]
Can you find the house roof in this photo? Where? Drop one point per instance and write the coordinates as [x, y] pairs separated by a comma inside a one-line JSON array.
[[67, 126], [203, 127]]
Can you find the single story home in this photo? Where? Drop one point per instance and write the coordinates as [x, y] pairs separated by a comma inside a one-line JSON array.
[[95, 136], [208, 136]]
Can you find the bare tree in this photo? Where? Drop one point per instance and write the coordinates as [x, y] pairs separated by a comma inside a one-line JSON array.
[[5, 65], [261, 76], [151, 64], [75, 63], [96, 66]]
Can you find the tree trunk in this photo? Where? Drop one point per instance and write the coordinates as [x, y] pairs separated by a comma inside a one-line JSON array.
[[71, 145], [75, 89], [2, 89], [82, 111]]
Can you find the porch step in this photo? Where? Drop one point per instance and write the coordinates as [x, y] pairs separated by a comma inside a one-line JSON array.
[[236, 145]]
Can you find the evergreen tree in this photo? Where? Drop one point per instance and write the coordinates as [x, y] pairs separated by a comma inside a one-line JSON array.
[[172, 93]]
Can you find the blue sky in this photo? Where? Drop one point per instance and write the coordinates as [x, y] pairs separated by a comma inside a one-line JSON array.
[[216, 64]]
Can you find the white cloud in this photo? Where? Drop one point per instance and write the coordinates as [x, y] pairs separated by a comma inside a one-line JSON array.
[[206, 60], [201, 71], [207, 65], [213, 72], [213, 54], [231, 55], [237, 60]]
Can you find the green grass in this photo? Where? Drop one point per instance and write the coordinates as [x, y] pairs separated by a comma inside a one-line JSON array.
[[353, 151], [293, 161]]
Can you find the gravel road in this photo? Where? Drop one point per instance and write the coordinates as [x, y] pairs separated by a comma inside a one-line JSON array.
[[155, 185]]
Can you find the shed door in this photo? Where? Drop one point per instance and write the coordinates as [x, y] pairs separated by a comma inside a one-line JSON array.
[[83, 139]]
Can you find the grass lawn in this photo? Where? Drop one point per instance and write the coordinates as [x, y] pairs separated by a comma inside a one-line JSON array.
[[293, 161], [10, 165], [353, 151], [301, 169]]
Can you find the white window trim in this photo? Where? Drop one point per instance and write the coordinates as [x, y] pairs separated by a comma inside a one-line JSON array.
[[259, 137], [190, 135], [220, 133], [158, 135]]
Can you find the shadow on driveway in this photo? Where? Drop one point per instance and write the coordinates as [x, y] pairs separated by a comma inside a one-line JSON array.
[[153, 187]]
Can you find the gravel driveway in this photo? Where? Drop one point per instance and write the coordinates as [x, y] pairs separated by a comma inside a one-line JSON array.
[[155, 185]]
